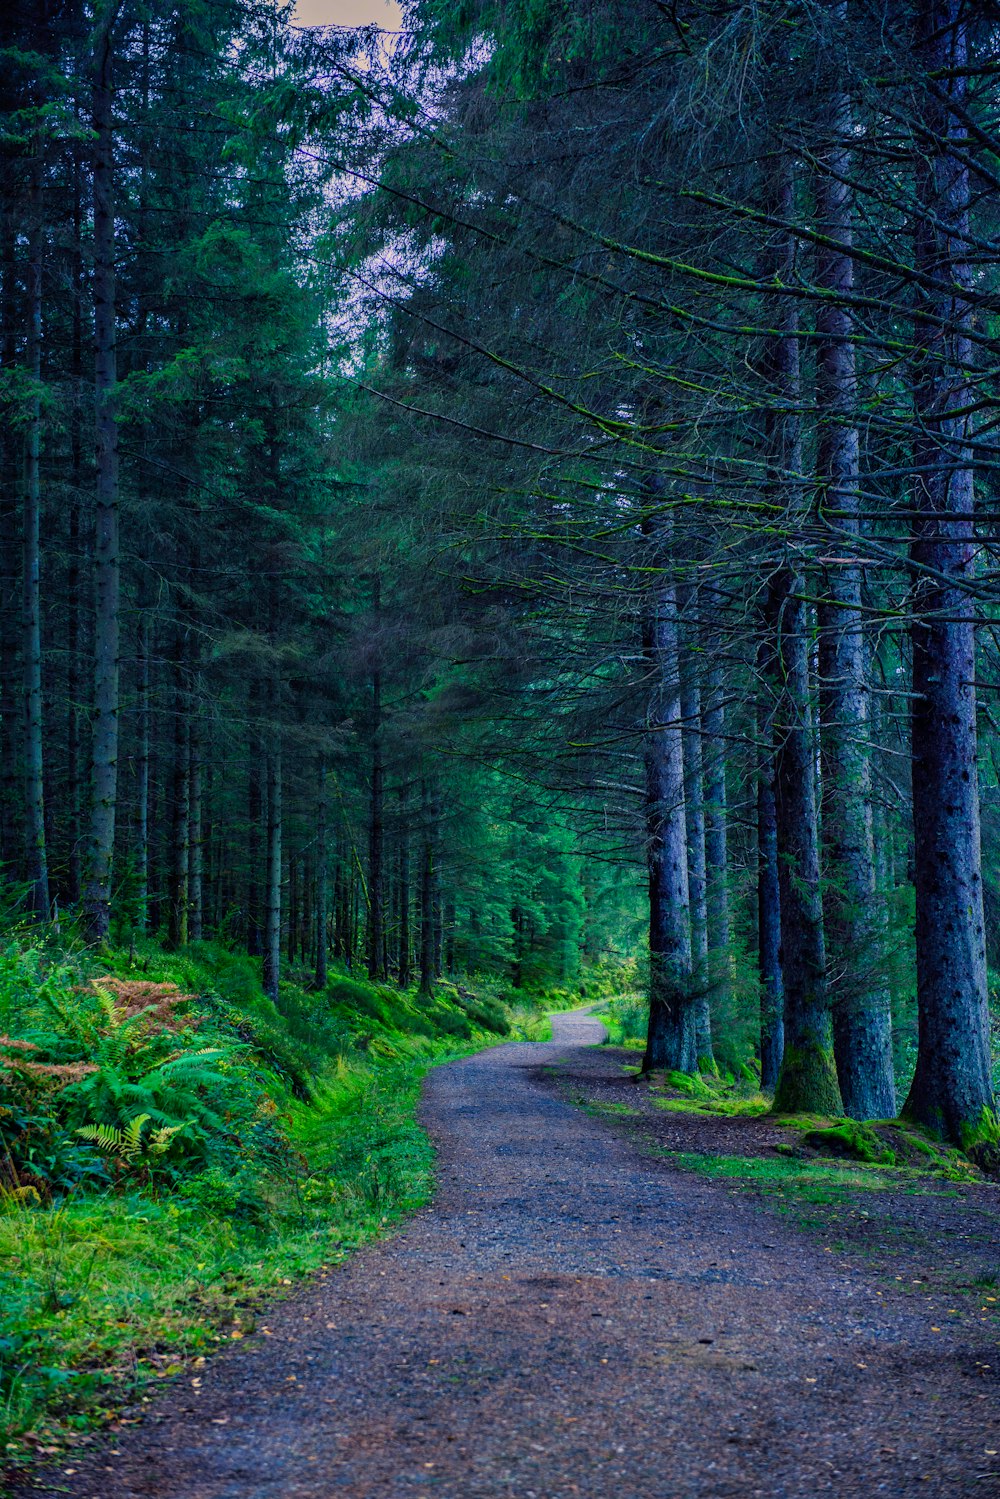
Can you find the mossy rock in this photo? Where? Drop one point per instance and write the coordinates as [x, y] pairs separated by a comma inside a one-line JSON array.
[[849, 1140], [690, 1084]]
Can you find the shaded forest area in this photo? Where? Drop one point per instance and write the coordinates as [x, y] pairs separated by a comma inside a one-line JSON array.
[[466, 489]]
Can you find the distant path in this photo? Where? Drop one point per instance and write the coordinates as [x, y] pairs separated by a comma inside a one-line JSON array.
[[569, 1318]]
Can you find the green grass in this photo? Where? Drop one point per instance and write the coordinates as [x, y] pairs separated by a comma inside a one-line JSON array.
[[106, 1293], [811, 1181], [752, 1107], [116, 1273]]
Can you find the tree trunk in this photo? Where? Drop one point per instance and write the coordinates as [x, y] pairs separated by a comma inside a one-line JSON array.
[[180, 825], [142, 765], [272, 897], [376, 841], [951, 1090], [427, 884], [74, 580], [196, 881], [714, 754], [34, 792], [808, 1080], [10, 623], [294, 894], [862, 1024], [322, 861], [694, 803], [403, 901], [671, 1039], [772, 1019], [104, 786]]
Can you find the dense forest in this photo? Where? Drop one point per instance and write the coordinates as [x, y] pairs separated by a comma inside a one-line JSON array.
[[471, 488]]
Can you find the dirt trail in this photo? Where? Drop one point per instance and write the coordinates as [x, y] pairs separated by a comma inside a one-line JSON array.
[[571, 1318]]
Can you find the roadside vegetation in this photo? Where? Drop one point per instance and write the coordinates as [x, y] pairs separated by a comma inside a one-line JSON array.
[[174, 1147]]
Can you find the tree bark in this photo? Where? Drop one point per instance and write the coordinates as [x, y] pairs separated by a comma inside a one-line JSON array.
[[142, 763], [694, 804], [808, 1080], [322, 877], [772, 999], [376, 842], [404, 893], [951, 1090], [104, 786], [427, 895], [10, 630], [180, 825], [714, 755], [196, 836], [272, 897], [34, 784], [671, 1039], [862, 1024]]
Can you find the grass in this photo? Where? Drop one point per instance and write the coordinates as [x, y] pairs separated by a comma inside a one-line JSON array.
[[810, 1181], [105, 1290], [104, 1294]]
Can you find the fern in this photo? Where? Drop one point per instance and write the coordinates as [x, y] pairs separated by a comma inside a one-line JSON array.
[[125, 1143]]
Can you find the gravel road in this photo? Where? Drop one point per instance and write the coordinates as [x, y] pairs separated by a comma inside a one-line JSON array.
[[569, 1318]]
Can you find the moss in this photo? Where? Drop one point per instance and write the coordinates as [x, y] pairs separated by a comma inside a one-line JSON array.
[[734, 1108], [808, 1082], [850, 1140], [981, 1141]]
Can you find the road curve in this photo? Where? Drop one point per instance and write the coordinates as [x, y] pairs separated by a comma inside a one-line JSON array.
[[568, 1318]]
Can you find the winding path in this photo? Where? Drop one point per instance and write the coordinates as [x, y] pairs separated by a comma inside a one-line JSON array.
[[570, 1318]]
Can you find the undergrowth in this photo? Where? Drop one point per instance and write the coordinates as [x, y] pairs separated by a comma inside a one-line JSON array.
[[173, 1147]]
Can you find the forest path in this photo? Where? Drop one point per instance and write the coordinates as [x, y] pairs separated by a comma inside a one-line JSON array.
[[570, 1318]]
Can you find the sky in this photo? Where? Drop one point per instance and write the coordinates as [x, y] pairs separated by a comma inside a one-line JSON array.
[[348, 13]]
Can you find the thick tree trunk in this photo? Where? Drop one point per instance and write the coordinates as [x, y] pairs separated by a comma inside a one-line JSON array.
[[862, 1025], [671, 1039], [951, 1090], [104, 786], [34, 792], [808, 1080]]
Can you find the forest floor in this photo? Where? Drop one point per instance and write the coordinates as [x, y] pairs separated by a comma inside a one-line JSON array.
[[582, 1311]]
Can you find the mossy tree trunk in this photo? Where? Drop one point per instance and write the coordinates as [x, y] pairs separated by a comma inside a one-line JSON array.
[[951, 1090], [807, 1080], [854, 924]]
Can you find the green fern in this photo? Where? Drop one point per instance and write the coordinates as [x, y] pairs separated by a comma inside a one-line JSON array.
[[125, 1143]]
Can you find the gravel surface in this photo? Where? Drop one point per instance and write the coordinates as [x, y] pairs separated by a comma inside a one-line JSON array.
[[571, 1317]]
